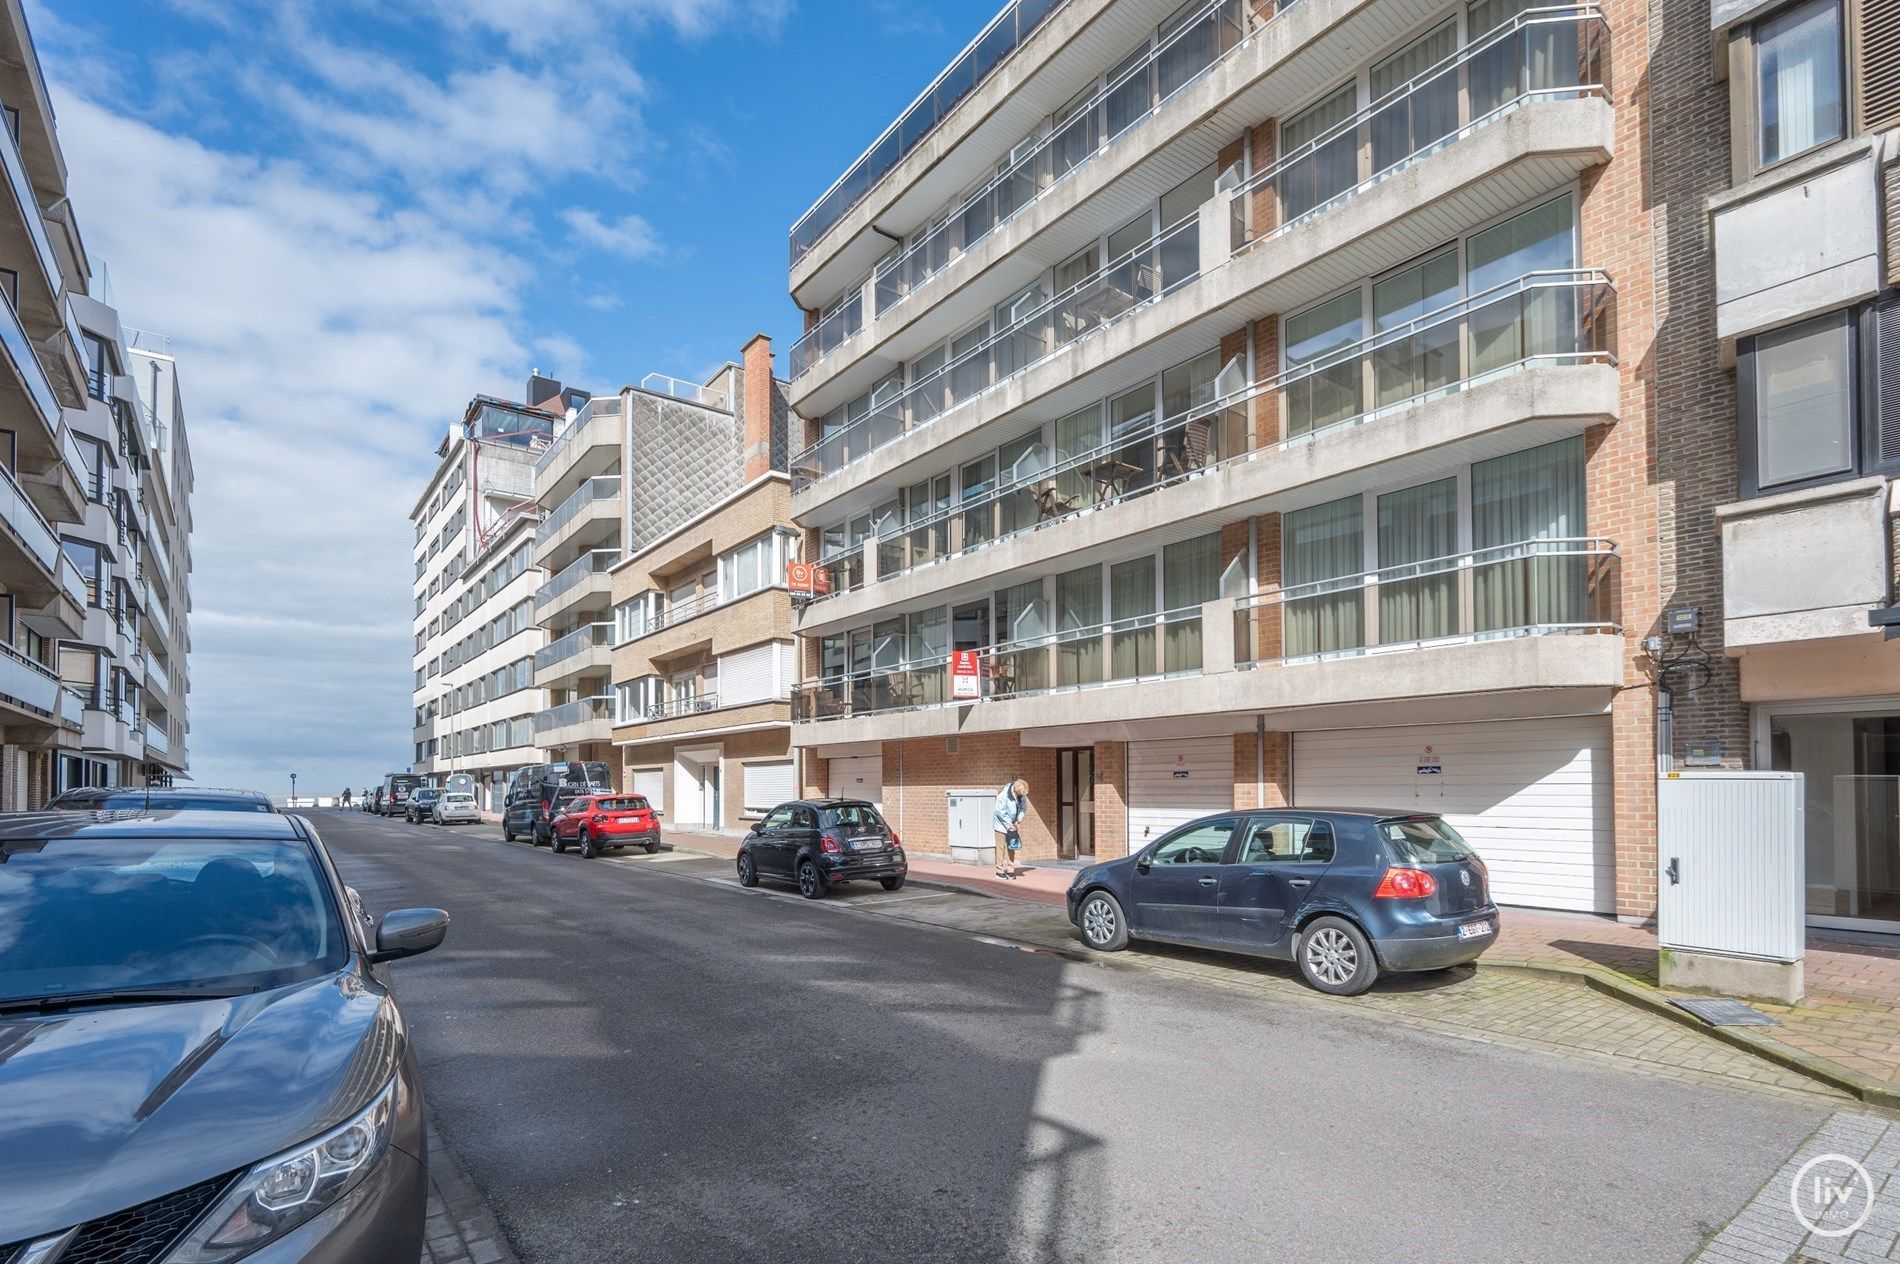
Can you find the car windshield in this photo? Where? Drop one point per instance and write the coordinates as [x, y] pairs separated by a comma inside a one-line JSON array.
[[458, 798], [858, 818], [628, 803], [138, 801], [424, 794], [85, 915], [1424, 840]]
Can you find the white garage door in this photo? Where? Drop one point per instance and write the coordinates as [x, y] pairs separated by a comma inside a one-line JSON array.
[[651, 782], [768, 784], [1172, 782], [1532, 796], [858, 777]]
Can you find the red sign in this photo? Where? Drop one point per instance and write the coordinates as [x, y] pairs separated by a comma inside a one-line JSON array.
[[809, 578], [966, 679]]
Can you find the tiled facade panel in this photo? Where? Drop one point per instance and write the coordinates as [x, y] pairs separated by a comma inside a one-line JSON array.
[[680, 460]]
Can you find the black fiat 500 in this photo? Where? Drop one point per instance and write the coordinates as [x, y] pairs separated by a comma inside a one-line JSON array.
[[1346, 894], [819, 843]]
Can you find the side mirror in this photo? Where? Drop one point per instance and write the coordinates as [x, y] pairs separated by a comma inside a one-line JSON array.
[[1144, 864], [409, 933]]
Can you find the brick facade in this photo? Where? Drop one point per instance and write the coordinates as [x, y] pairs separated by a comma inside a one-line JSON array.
[[736, 751]]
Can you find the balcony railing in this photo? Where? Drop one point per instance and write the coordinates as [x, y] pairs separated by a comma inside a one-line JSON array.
[[600, 708], [588, 565], [156, 741], [829, 334], [32, 684], [692, 392], [1546, 53], [587, 495], [1539, 318], [25, 518], [673, 708], [591, 636], [29, 203], [26, 362], [157, 678], [1162, 264], [1093, 127], [160, 622], [987, 51], [71, 582], [592, 410], [1123, 651], [1529, 588]]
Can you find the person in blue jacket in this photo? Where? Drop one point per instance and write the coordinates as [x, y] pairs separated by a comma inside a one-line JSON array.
[[1012, 802]]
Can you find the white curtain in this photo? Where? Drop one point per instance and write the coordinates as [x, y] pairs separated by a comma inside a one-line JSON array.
[[1190, 576], [1798, 65], [1522, 499], [1323, 612], [1418, 526]]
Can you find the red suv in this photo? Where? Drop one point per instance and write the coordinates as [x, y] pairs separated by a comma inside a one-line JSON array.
[[598, 821]]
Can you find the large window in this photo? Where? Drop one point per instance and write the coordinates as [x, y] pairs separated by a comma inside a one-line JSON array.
[[1799, 80], [1798, 403]]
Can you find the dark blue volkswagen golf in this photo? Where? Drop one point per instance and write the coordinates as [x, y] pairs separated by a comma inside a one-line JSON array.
[[1348, 894]]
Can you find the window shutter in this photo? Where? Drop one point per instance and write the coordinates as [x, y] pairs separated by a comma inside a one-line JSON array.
[[1887, 383], [1879, 64]]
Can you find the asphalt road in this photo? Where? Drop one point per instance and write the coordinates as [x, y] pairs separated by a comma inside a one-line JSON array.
[[634, 1065]]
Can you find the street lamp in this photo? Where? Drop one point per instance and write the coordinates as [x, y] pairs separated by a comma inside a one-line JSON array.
[[293, 791]]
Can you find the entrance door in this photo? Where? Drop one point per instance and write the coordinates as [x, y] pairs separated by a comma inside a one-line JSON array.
[[1851, 762], [1075, 802]]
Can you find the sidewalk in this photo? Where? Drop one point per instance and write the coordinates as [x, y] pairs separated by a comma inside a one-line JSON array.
[[1845, 1033]]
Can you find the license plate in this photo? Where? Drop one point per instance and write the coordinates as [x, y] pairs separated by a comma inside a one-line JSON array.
[[867, 844], [1475, 930]]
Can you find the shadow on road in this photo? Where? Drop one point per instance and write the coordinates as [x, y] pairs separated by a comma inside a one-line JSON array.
[[634, 1069]]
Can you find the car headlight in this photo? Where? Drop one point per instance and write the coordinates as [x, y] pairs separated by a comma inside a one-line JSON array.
[[281, 1193]]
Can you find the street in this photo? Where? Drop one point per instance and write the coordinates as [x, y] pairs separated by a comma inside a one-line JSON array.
[[633, 1062]]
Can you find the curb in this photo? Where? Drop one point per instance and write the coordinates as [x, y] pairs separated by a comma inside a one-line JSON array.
[[1864, 1088]]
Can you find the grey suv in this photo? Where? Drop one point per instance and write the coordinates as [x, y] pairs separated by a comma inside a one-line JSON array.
[[196, 1007]]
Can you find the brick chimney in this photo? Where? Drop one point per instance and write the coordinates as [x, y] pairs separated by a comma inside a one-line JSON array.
[[755, 413]]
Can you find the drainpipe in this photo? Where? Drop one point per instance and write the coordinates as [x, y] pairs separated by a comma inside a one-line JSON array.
[[1260, 761], [1665, 729]]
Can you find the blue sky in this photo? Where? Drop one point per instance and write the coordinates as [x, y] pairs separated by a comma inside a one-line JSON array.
[[350, 215]]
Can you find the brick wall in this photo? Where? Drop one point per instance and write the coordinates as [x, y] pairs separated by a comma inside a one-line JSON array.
[[734, 748], [918, 773], [1111, 799]]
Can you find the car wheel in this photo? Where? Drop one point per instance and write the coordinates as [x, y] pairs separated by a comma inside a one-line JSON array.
[[1336, 957], [1104, 925], [537, 837], [559, 844], [748, 875], [653, 848], [892, 884], [507, 835], [589, 849], [811, 883]]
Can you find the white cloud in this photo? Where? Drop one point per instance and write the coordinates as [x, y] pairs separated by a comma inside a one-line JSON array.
[[531, 23], [629, 235]]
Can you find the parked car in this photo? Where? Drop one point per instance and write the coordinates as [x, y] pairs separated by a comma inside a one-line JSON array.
[[397, 787], [250, 1088], [454, 807], [596, 822], [529, 806], [819, 843], [421, 805], [159, 799], [1346, 894], [375, 801]]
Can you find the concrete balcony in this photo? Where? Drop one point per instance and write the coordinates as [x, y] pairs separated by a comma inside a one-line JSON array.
[[571, 723], [975, 548], [582, 584], [1514, 157], [700, 716], [34, 706], [589, 446], [58, 488], [1799, 240], [1806, 565], [586, 651], [1521, 630], [588, 518]]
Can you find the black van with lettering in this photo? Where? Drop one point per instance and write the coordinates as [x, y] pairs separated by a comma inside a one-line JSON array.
[[529, 807]]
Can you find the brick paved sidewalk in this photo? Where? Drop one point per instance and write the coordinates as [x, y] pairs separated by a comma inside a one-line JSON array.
[[461, 1229], [1850, 1017]]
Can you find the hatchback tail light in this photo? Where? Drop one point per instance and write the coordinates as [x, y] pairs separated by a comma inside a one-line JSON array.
[[830, 845], [1406, 884], [600, 818], [897, 844]]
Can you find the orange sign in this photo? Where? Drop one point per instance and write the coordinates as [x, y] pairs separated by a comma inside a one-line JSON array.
[[966, 679], [809, 578]]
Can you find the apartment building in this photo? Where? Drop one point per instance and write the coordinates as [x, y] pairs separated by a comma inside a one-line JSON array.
[[1268, 396], [1783, 491], [703, 656], [578, 483], [476, 592], [42, 493], [161, 555]]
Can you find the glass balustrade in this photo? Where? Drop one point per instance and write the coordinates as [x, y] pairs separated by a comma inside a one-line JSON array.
[[586, 496], [576, 431], [829, 334], [1538, 318], [1144, 274], [998, 40], [581, 711], [1529, 588], [555, 652], [1539, 54], [589, 565]]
